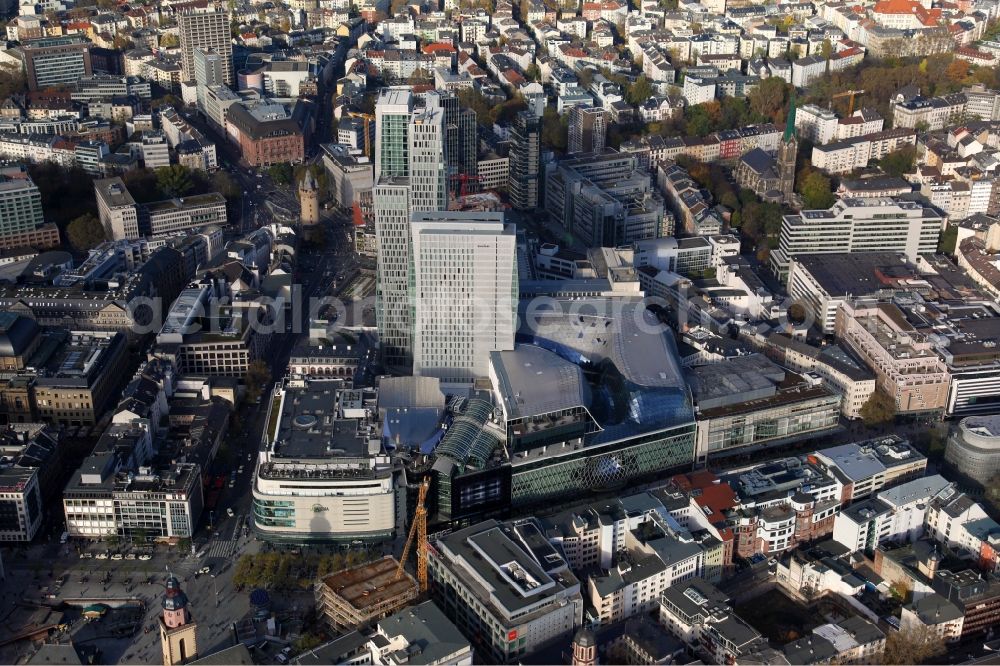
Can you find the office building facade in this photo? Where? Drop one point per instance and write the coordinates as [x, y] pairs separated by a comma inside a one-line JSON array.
[[525, 158], [465, 292], [21, 219], [858, 225], [587, 130], [53, 61]]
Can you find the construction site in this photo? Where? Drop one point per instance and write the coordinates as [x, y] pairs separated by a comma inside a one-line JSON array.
[[362, 595]]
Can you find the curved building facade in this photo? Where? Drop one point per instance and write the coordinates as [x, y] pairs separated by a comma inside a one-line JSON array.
[[974, 448], [322, 474]]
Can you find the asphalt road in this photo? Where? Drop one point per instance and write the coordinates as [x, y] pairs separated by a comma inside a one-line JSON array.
[[32, 573]]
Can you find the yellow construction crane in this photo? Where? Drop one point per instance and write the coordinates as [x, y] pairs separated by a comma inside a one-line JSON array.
[[419, 530], [848, 93], [369, 121]]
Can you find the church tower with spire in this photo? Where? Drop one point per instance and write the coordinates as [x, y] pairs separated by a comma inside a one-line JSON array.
[[177, 629], [788, 151]]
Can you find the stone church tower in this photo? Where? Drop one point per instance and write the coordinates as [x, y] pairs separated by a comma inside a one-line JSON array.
[[788, 150], [177, 630]]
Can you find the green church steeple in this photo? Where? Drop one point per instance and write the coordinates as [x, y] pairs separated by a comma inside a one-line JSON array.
[[790, 121]]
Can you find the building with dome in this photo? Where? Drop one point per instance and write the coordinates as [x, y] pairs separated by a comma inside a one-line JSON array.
[[177, 628], [19, 338], [974, 448], [584, 648]]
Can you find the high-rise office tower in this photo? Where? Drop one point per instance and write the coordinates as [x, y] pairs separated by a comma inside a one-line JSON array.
[[525, 155], [587, 130], [205, 28], [461, 142], [392, 117], [428, 157], [410, 175], [464, 277], [391, 208], [209, 70]]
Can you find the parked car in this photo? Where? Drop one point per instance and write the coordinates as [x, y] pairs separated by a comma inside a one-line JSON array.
[[117, 556], [229, 511]]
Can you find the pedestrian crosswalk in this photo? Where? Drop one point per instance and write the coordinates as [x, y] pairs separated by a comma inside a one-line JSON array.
[[222, 548]]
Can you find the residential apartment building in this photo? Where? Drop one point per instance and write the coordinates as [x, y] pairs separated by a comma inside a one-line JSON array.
[[701, 616], [847, 155], [896, 514], [205, 28]]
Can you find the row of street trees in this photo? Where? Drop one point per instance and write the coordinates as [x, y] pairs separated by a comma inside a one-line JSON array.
[[288, 571]]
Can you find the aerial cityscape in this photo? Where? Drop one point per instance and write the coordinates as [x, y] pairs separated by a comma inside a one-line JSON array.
[[487, 332]]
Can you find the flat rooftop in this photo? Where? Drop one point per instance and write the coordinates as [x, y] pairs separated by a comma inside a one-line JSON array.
[[856, 273], [183, 203], [316, 421]]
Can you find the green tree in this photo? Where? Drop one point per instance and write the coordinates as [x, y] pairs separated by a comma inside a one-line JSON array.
[[533, 73], [555, 129], [169, 40], [281, 173], [912, 646], [899, 162], [225, 185], [640, 91], [112, 539], [12, 80], [702, 119], [948, 240], [257, 376], [816, 192], [85, 232], [174, 180], [879, 409], [768, 101]]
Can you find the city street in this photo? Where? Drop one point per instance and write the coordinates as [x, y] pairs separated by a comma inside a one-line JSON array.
[[48, 572]]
